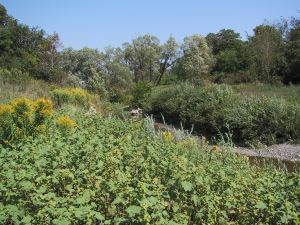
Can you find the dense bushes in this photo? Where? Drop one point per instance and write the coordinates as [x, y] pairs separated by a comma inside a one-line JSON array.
[[201, 106], [216, 108], [122, 174], [264, 119]]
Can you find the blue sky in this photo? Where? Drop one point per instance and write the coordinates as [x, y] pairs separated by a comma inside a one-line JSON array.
[[100, 23]]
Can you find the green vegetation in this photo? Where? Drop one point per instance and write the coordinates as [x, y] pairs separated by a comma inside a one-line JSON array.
[[288, 93], [16, 84], [76, 160], [216, 109], [126, 174]]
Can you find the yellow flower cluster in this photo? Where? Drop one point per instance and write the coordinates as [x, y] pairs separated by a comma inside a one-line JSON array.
[[5, 110], [65, 122], [22, 117], [44, 107], [167, 136], [76, 96]]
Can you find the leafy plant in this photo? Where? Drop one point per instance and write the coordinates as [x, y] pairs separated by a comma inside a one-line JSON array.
[[112, 171]]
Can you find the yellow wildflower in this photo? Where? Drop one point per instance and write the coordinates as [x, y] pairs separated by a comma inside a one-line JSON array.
[[215, 148], [5, 110], [21, 104], [65, 122], [44, 107], [167, 136]]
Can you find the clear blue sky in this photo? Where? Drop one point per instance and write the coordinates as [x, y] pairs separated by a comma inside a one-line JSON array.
[[100, 23]]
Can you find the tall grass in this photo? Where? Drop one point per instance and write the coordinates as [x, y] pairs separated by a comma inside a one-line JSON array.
[[15, 84], [290, 93]]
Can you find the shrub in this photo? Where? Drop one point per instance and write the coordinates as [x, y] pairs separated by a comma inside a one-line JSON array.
[[76, 96], [202, 106], [214, 109], [23, 117], [265, 120], [140, 93]]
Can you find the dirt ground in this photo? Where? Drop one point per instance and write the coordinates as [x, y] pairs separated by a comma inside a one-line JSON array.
[[283, 151]]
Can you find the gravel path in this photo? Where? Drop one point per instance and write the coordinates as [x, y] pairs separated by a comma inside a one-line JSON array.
[[283, 151]]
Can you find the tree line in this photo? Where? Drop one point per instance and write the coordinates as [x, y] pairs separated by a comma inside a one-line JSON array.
[[271, 54]]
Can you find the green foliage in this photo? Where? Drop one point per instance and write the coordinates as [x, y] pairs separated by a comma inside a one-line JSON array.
[[293, 58], [140, 93], [143, 57], [14, 76], [264, 120], [211, 109], [201, 106], [267, 44], [97, 85], [197, 58], [114, 109], [122, 175], [289, 93], [76, 96]]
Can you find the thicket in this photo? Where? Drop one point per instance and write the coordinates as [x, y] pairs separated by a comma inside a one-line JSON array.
[[216, 109], [127, 174]]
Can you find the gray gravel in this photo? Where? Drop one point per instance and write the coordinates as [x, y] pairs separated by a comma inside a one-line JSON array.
[[283, 151]]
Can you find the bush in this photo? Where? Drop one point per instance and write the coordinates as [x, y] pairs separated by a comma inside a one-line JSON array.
[[13, 76], [214, 109], [140, 93], [22, 118], [202, 106], [265, 120], [76, 96]]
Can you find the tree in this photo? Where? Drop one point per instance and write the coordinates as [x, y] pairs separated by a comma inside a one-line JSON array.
[[142, 57], [114, 67], [168, 56], [19, 44], [292, 52], [3, 15], [232, 54], [267, 44], [223, 40], [84, 63], [197, 57]]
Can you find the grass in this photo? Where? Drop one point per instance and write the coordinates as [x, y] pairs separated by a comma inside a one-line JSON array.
[[29, 88], [290, 93]]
